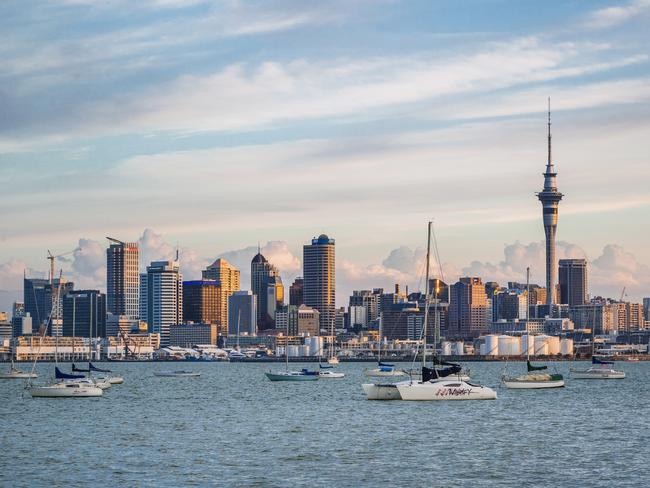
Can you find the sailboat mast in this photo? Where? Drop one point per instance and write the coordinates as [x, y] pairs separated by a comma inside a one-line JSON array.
[[426, 298], [527, 313]]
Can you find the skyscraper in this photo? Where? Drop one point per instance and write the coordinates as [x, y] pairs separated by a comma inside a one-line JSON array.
[[550, 198], [296, 292], [84, 314], [202, 301], [122, 278], [646, 309], [573, 281], [242, 310], [228, 277], [266, 285], [320, 279], [39, 297], [468, 308], [162, 296]]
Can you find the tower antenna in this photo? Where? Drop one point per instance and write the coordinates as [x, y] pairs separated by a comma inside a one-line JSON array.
[[549, 131]]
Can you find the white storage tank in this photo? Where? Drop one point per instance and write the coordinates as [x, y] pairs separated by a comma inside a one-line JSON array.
[[508, 346], [315, 346], [459, 348], [566, 347], [482, 348], [553, 345], [294, 351], [445, 349], [304, 350], [541, 345], [527, 345], [491, 345]]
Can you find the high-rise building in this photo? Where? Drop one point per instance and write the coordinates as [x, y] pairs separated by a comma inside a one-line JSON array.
[[266, 285], [468, 308], [162, 297], [646, 309], [296, 292], [84, 314], [202, 301], [122, 278], [18, 309], [298, 320], [509, 305], [242, 310], [188, 335], [439, 289], [39, 297], [602, 318], [573, 281], [550, 198], [320, 279], [369, 301], [228, 277], [387, 300]]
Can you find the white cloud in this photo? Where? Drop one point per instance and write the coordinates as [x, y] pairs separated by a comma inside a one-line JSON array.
[[613, 16]]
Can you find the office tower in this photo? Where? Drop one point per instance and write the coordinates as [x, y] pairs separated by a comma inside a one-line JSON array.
[[550, 198], [646, 309], [266, 285], [22, 325], [162, 295], [467, 308], [320, 280], [39, 298], [296, 292], [202, 301], [18, 309], [242, 313], [509, 305], [387, 300], [189, 335], [122, 278], [634, 317], [600, 317], [491, 288], [572, 277], [228, 277], [439, 289], [369, 301], [84, 314], [298, 320]]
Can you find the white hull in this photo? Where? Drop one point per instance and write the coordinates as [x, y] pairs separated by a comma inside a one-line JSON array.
[[444, 390], [291, 376], [333, 361], [597, 374], [65, 390], [532, 385], [378, 391], [116, 380], [331, 375], [17, 375]]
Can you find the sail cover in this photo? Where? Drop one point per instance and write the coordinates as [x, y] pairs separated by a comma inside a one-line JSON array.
[[535, 368], [386, 365], [93, 368], [79, 370], [325, 366], [432, 373], [60, 375], [595, 360]]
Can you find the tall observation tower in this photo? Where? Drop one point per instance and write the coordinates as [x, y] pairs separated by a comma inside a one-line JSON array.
[[550, 199]]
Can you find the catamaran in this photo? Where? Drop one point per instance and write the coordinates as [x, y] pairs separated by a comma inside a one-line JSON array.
[[532, 379]]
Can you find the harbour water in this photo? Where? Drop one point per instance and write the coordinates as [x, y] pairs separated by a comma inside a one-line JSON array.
[[232, 426]]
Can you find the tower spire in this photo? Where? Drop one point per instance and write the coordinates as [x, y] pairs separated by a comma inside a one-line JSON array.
[[550, 163]]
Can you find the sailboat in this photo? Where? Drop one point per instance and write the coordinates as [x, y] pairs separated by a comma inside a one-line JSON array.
[[532, 379], [435, 384], [286, 375], [61, 388], [14, 373], [600, 369]]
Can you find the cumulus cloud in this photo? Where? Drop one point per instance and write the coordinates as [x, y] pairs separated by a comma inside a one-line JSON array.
[[153, 247], [616, 268], [11, 283]]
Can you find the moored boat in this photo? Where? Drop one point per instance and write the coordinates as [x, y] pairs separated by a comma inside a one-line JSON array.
[[65, 390], [176, 374], [291, 376], [598, 371]]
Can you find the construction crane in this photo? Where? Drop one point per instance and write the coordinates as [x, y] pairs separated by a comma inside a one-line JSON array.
[[622, 295], [52, 257]]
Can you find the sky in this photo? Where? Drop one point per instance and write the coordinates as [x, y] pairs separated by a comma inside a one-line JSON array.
[[215, 126]]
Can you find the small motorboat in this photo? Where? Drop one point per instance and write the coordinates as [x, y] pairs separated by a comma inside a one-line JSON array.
[[331, 374], [176, 374]]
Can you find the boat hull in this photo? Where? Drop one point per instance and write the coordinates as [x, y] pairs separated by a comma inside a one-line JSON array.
[[532, 385], [608, 374], [65, 391], [17, 375], [378, 391], [444, 390], [377, 373], [176, 374], [332, 375], [291, 377], [116, 380]]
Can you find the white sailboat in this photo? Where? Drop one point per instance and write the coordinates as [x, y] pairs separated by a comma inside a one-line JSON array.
[[16, 374], [600, 369], [177, 374], [286, 375], [532, 379], [435, 384], [59, 389]]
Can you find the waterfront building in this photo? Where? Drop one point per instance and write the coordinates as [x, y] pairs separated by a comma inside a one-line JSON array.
[[468, 308], [6, 333], [84, 314], [602, 318], [242, 310], [319, 262], [39, 296], [550, 198], [300, 320], [572, 275], [162, 297], [202, 301], [229, 279], [122, 278], [296, 292], [188, 335]]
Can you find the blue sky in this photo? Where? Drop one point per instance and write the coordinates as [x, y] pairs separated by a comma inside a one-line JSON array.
[[220, 124]]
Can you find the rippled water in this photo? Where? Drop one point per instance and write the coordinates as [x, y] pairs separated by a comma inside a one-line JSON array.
[[233, 426]]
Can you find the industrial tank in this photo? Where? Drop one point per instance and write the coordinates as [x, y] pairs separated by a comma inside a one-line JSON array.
[[508, 346], [491, 345], [446, 348], [541, 345], [527, 345], [566, 347], [458, 348], [553, 345]]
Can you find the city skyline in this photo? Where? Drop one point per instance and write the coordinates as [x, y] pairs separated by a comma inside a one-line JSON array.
[[410, 125]]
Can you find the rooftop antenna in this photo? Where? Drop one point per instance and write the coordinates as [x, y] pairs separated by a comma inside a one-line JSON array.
[[549, 131]]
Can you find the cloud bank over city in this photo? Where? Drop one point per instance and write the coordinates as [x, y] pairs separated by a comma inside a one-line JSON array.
[[215, 125]]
